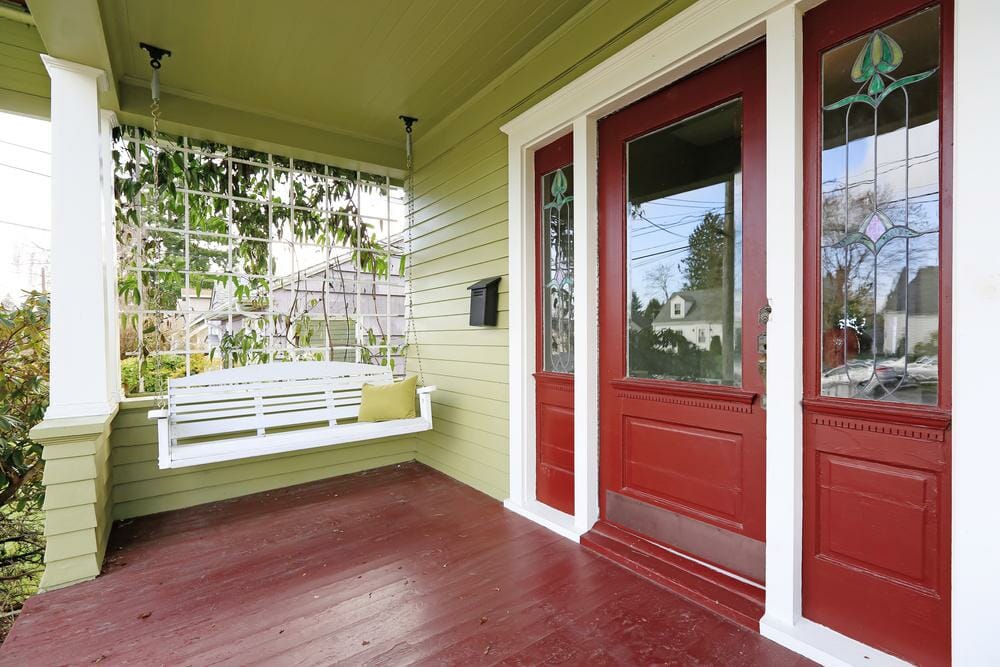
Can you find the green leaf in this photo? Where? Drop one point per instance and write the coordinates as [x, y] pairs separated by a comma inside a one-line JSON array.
[[896, 233], [876, 86], [855, 238], [851, 99], [905, 81]]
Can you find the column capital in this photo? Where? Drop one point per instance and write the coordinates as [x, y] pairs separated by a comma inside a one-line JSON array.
[[98, 75]]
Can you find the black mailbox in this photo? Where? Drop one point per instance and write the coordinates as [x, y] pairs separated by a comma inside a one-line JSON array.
[[483, 305]]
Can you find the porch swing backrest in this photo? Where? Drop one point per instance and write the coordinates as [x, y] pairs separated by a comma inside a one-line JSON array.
[[271, 408]]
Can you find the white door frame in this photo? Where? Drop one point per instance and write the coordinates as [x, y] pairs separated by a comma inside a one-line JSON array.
[[694, 38]]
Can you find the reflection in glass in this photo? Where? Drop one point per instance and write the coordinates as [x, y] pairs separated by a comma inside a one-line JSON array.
[[880, 214], [557, 269], [685, 246]]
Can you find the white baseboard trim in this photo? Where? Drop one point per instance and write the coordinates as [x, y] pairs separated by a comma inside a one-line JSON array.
[[547, 517], [825, 646]]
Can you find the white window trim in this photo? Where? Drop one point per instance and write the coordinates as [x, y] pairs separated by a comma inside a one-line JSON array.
[[695, 37]]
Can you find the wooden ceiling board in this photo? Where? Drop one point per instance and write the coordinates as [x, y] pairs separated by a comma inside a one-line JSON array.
[[347, 66]]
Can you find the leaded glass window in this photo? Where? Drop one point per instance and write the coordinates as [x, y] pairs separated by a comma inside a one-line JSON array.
[[880, 212], [557, 269]]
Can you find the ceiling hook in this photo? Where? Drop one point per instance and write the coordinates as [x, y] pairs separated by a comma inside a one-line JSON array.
[[408, 122], [156, 54]]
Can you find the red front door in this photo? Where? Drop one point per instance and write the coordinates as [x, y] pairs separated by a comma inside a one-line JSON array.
[[554, 315], [876, 465], [682, 231]]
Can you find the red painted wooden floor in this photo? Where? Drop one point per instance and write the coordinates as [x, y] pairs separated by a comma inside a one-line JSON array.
[[393, 566]]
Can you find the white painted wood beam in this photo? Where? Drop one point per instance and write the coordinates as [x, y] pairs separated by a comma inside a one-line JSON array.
[[81, 370]]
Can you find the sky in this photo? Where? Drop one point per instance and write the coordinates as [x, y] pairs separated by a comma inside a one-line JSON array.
[[25, 216]]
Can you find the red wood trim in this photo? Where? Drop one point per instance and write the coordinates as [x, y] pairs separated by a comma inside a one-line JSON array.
[[895, 413], [562, 380], [690, 390]]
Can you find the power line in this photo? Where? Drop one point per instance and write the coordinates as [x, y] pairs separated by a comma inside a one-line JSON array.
[[18, 224], [30, 171], [27, 148]]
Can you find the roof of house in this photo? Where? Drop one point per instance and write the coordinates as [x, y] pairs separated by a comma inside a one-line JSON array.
[[704, 305]]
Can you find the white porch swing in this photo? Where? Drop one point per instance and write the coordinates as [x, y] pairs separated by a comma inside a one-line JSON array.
[[271, 408]]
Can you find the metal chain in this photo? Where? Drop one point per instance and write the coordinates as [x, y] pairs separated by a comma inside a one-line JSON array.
[[154, 111], [411, 331]]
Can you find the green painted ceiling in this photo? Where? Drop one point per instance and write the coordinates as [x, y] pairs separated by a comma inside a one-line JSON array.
[[343, 66]]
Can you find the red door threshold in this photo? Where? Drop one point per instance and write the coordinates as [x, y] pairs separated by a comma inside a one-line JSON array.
[[726, 596]]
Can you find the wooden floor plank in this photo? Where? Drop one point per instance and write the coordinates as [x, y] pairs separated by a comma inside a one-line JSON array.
[[401, 565]]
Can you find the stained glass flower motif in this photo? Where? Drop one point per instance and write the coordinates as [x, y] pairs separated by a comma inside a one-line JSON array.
[[880, 56], [877, 231]]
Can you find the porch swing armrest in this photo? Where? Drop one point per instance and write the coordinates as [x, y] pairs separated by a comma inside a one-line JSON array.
[[426, 390], [158, 414]]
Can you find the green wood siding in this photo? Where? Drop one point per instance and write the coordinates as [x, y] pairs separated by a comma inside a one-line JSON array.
[[460, 236], [77, 505], [140, 487], [24, 83]]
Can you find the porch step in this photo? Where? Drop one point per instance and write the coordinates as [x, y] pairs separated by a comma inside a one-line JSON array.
[[734, 599]]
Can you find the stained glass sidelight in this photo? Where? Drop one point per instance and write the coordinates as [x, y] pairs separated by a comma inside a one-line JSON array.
[[880, 252], [557, 269]]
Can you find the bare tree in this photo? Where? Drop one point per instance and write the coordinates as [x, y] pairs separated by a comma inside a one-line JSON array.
[[659, 278]]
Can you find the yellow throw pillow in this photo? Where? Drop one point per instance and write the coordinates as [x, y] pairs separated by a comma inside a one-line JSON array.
[[385, 402]]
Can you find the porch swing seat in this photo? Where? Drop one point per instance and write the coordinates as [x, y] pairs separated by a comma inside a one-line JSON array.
[[238, 413]]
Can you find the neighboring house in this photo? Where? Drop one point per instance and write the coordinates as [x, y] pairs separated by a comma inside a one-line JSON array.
[[911, 311], [695, 314]]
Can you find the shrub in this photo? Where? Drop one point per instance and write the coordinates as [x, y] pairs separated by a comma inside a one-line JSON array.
[[24, 394]]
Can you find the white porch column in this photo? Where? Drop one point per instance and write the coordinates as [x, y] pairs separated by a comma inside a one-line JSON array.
[[783, 560], [586, 406], [975, 324], [82, 305]]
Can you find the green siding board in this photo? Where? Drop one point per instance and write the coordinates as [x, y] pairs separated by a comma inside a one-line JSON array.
[[474, 406], [24, 83], [493, 229], [162, 503], [456, 306], [70, 494], [460, 210], [487, 354], [472, 176], [475, 256], [465, 275], [69, 519], [451, 167], [493, 483], [21, 35], [491, 424], [448, 431], [490, 390]]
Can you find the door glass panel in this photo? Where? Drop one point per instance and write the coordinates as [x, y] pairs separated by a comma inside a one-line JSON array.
[[685, 249], [557, 269], [880, 214]]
